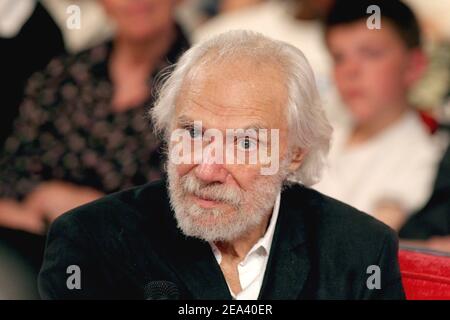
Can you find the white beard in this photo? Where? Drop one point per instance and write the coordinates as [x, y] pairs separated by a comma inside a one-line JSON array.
[[246, 210]]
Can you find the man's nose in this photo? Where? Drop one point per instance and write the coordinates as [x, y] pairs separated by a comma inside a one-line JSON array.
[[211, 172], [210, 166]]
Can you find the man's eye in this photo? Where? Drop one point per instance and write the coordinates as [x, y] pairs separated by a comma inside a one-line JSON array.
[[195, 133], [246, 144]]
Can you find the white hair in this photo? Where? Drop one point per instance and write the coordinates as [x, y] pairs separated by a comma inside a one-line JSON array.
[[309, 128]]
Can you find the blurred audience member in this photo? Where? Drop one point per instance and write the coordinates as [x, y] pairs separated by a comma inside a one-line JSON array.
[[82, 130], [298, 22], [17, 279], [430, 93], [193, 13], [236, 5], [433, 16], [430, 226], [23, 24], [385, 162], [435, 86], [95, 25]]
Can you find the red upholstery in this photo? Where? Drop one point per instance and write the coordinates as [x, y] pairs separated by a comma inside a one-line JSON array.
[[429, 121], [425, 275]]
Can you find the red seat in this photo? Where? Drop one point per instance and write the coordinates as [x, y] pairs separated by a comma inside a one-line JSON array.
[[430, 122], [425, 274]]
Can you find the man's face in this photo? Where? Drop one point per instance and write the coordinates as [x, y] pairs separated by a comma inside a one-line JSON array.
[[222, 201], [373, 68]]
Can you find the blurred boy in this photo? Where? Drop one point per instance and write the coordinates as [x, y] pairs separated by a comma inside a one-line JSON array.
[[384, 162]]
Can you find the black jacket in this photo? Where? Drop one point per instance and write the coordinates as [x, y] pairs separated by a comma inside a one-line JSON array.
[[321, 249]]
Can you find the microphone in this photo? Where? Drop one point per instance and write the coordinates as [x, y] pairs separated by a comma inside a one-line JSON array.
[[161, 290]]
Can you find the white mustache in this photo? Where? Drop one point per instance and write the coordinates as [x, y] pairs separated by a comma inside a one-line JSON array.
[[211, 191]]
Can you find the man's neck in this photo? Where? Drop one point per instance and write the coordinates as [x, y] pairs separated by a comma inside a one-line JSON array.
[[234, 252]]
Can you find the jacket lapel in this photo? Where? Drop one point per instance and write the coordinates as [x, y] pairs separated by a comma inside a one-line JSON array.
[[289, 264], [191, 260], [197, 268]]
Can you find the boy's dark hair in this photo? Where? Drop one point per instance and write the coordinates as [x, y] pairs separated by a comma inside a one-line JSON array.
[[398, 14]]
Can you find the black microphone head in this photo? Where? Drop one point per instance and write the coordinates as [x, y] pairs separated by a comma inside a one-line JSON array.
[[161, 290]]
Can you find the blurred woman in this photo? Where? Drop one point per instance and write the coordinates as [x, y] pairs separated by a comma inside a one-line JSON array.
[[82, 130]]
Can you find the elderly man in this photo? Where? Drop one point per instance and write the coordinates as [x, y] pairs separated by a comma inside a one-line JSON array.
[[246, 135]]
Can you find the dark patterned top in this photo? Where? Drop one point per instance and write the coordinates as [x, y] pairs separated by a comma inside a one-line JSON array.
[[68, 131]]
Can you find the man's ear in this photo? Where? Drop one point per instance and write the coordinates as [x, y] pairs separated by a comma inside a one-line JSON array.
[[417, 65], [297, 159]]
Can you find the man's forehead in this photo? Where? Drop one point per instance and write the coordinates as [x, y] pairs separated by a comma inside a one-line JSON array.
[[237, 67], [185, 120], [223, 116], [228, 93]]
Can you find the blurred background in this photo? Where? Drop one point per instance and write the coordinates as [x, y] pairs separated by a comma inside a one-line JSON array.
[[78, 76]]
